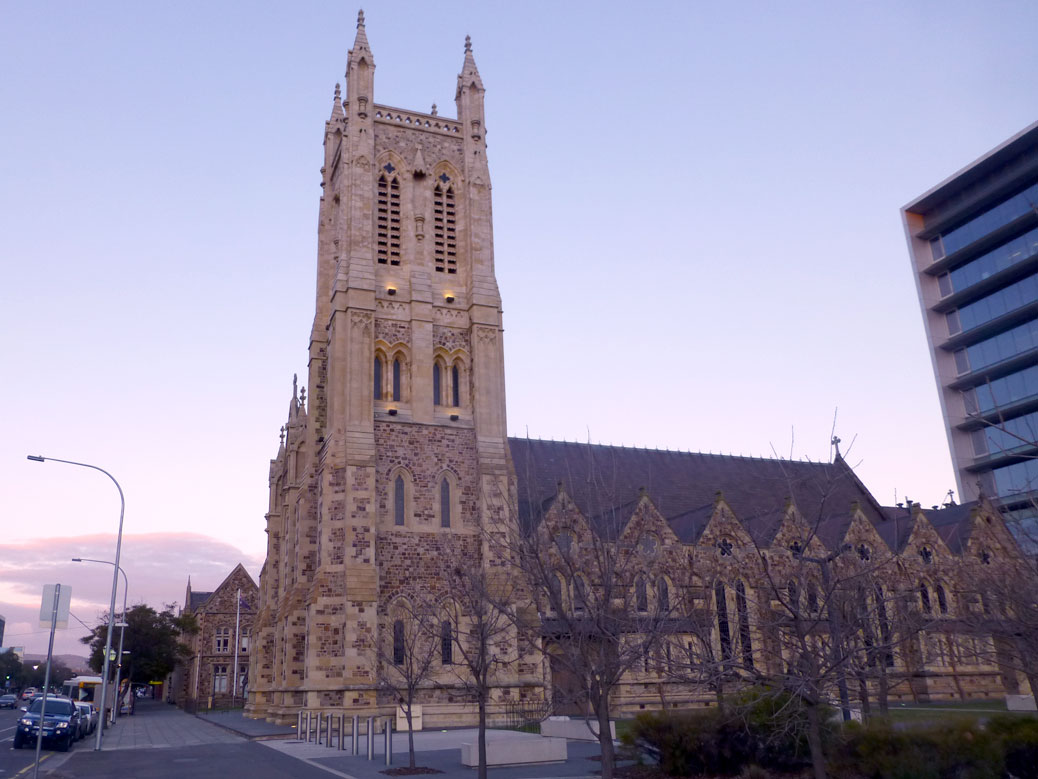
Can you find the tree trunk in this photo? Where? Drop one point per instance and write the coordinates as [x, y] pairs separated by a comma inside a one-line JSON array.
[[482, 734], [814, 740], [410, 738], [863, 694], [605, 736], [882, 694]]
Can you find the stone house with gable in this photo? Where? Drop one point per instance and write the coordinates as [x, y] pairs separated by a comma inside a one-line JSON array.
[[400, 454], [225, 618]]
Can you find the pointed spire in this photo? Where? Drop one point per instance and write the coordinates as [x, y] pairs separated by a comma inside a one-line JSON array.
[[361, 41], [337, 103], [469, 72]]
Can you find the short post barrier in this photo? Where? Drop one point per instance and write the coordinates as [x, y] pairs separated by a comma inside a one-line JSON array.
[[342, 731], [322, 722], [355, 736], [309, 716], [299, 724], [371, 738], [389, 743]]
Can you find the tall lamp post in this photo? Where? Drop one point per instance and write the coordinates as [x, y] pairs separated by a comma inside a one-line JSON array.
[[121, 625], [115, 580]]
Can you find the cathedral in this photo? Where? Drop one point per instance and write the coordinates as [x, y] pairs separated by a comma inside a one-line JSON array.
[[401, 449]]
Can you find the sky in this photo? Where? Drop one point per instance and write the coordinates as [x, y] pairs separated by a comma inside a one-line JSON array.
[[697, 240]]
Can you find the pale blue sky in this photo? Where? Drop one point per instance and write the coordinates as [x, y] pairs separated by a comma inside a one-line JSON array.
[[696, 217]]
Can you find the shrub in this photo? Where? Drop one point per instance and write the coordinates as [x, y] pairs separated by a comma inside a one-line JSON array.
[[757, 728], [956, 751], [1018, 736]]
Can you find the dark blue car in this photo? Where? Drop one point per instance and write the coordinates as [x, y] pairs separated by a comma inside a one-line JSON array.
[[60, 724]]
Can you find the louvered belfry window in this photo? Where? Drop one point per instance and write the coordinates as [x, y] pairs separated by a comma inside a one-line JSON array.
[[388, 238], [445, 233]]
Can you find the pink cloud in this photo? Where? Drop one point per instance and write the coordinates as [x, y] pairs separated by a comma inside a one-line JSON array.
[[157, 566]]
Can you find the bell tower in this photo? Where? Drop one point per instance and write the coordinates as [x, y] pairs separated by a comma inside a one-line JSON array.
[[405, 435]]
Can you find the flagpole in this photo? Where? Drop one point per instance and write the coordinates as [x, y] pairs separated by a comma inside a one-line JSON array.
[[237, 622]]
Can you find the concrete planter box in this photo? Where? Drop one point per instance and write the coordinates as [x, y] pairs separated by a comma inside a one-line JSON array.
[[516, 751], [576, 729]]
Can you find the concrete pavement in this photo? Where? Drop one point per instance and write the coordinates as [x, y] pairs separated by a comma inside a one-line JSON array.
[[163, 741]]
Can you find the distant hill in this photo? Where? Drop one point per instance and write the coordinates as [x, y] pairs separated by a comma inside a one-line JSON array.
[[74, 662]]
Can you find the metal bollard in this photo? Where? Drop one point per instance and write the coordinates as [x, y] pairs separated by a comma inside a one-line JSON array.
[[389, 743], [299, 724], [309, 715], [342, 731], [355, 735], [371, 738]]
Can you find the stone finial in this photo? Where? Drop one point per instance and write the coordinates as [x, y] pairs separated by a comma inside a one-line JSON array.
[[836, 443], [338, 91], [419, 168], [302, 396], [360, 18], [468, 44], [295, 384], [433, 111], [282, 435]]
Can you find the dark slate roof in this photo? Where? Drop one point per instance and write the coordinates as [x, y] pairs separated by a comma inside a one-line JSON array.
[[197, 599], [952, 525], [605, 483]]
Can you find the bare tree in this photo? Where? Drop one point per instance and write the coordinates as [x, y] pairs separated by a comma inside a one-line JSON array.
[[605, 601], [480, 632], [406, 655]]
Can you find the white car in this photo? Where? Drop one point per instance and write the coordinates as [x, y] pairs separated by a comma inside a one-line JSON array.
[[87, 718]]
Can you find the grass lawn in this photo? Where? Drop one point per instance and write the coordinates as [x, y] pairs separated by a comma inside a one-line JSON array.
[[945, 711]]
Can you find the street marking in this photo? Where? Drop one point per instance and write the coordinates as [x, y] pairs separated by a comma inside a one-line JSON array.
[[26, 769]]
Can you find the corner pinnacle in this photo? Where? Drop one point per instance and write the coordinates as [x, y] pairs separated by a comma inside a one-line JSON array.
[[468, 43]]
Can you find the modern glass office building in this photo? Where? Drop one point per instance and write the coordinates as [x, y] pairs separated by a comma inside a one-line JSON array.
[[974, 245]]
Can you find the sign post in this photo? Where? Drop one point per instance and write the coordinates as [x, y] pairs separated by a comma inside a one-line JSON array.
[[53, 614]]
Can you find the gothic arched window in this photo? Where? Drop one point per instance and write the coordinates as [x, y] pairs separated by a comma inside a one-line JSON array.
[[744, 625], [398, 501], [388, 238], [445, 237], [446, 643], [662, 596], [378, 378], [396, 378], [398, 642], [455, 386], [579, 596], [942, 599], [437, 382], [641, 596], [445, 503], [924, 598], [720, 600]]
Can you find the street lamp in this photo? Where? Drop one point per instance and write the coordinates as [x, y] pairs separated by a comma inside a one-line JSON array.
[[121, 625], [115, 579]]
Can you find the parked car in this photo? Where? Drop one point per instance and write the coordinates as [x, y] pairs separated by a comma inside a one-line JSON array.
[[27, 693], [60, 725], [8, 701], [87, 718]]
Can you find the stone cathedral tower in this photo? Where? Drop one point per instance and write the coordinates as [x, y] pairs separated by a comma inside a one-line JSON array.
[[402, 441]]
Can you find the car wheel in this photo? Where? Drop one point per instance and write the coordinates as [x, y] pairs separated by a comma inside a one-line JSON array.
[[64, 745], [17, 742]]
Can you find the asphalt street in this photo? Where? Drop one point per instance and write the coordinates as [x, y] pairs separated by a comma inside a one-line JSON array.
[[245, 759], [18, 762]]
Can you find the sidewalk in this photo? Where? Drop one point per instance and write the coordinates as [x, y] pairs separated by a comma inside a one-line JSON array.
[[235, 721], [441, 751], [157, 724]]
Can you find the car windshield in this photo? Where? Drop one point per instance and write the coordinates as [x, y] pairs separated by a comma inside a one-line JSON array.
[[53, 707]]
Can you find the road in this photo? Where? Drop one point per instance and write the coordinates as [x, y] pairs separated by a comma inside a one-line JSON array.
[[18, 762], [164, 743]]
